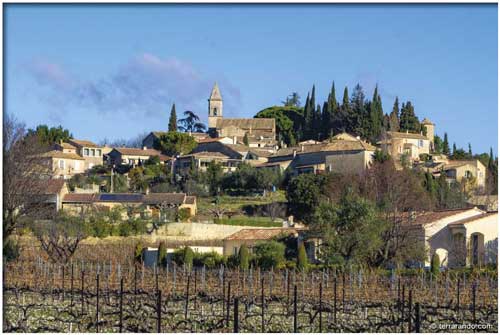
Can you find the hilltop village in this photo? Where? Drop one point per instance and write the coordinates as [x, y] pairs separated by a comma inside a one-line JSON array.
[[243, 182]]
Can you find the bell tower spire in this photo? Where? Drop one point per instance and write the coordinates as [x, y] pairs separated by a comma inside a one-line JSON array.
[[214, 107]]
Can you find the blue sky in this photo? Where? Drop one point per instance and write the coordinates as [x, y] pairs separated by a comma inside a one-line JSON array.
[[113, 71]]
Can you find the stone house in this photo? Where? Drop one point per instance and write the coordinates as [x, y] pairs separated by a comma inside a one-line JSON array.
[[133, 156], [151, 205], [461, 237], [458, 170], [342, 154], [92, 153], [399, 144], [63, 165]]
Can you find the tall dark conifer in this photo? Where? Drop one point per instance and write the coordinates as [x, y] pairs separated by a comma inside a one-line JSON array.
[[172, 123], [394, 117], [446, 145]]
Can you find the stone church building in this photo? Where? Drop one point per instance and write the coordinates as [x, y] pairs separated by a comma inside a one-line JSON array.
[[261, 132]]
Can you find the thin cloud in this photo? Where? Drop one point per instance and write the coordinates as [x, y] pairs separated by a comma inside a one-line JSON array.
[[146, 85]]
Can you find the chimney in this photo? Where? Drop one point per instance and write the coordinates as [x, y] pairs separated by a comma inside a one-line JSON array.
[[294, 153], [302, 147], [144, 148], [235, 140]]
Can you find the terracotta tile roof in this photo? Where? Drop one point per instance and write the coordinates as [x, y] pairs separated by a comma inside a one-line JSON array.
[[149, 199], [208, 154], [210, 140], [79, 198], [429, 217], [427, 121], [65, 145], [395, 134], [138, 152], [60, 154], [54, 186], [190, 200], [456, 163], [260, 234], [254, 124], [84, 143], [472, 219], [238, 147], [261, 153]]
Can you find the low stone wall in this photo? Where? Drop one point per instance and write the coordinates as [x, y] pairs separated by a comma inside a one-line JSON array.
[[197, 231]]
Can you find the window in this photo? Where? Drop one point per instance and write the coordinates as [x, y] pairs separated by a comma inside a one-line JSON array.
[[98, 152], [420, 143], [92, 152], [215, 111], [235, 250], [61, 164], [85, 152]]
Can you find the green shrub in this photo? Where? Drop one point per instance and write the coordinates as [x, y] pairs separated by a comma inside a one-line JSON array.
[[435, 264], [162, 255], [138, 252], [244, 257], [302, 262], [10, 251], [208, 259], [232, 261], [184, 256], [183, 214], [270, 254]]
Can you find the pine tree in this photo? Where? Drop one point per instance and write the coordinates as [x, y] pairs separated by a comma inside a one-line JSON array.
[[357, 115], [407, 119], [394, 117], [172, 123], [446, 145]]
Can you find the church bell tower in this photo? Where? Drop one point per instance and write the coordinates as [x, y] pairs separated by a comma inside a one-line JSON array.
[[214, 108]]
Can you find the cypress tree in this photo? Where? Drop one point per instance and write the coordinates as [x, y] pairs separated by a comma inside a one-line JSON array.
[[302, 258], [454, 149], [446, 145], [307, 117], [342, 120], [172, 123], [330, 113], [244, 257], [470, 151], [394, 117], [491, 161], [316, 131], [376, 116], [435, 263], [138, 252], [162, 255], [245, 139]]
